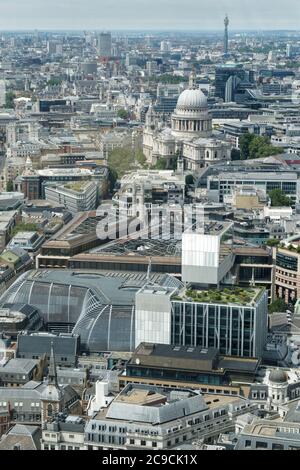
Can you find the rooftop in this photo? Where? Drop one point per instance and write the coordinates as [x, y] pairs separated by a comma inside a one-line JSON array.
[[234, 295]]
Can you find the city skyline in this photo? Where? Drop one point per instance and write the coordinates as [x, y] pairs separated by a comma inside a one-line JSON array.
[[157, 15]]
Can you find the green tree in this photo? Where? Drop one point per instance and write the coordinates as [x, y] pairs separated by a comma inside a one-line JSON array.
[[113, 176], [245, 141], [54, 81], [256, 146], [123, 114], [235, 154], [279, 198], [168, 78], [121, 160], [9, 186], [141, 159], [189, 179], [273, 242], [9, 99], [278, 305], [161, 164]]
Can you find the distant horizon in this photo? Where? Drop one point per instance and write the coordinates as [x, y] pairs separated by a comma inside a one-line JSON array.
[[131, 15], [148, 30]]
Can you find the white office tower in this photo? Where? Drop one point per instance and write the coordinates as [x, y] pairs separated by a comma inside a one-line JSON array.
[[153, 315], [104, 44], [51, 47], [207, 257], [165, 46], [2, 93]]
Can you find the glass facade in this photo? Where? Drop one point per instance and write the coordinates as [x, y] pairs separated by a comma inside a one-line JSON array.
[[177, 375], [287, 262], [225, 327]]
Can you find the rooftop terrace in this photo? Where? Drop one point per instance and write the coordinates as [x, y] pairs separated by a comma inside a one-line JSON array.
[[235, 295]]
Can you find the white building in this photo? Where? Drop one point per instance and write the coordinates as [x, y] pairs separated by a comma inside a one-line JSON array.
[[190, 135], [2, 93], [75, 196]]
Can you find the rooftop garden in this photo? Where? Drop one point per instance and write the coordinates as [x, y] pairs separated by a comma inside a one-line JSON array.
[[24, 227], [235, 295], [76, 186]]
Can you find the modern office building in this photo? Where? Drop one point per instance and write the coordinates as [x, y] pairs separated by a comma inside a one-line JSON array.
[[186, 367], [79, 235], [224, 183], [74, 196], [232, 320], [287, 271], [132, 255], [207, 256], [97, 306], [225, 72], [104, 45], [34, 182]]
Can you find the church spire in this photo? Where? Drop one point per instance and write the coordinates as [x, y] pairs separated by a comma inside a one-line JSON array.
[[52, 375]]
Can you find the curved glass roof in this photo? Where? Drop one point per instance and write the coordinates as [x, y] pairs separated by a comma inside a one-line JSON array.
[[101, 307]]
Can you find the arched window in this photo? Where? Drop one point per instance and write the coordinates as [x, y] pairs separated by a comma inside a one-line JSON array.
[[49, 410]]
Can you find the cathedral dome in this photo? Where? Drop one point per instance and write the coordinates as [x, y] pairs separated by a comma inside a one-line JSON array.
[[192, 99]]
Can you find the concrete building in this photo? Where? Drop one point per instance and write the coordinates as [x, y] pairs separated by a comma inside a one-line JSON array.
[[193, 368], [30, 242], [154, 418], [75, 197], [64, 433], [207, 256], [224, 183], [104, 45], [233, 321], [287, 271]]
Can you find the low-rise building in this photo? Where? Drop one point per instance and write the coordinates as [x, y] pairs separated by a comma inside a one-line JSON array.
[[65, 433], [28, 241], [21, 437], [153, 418], [18, 372]]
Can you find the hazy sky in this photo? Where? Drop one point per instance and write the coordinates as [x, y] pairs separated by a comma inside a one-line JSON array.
[[148, 14]]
